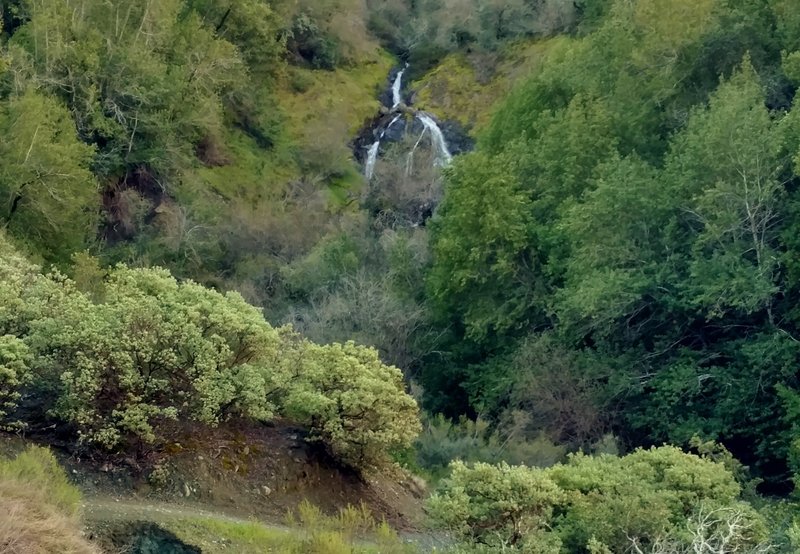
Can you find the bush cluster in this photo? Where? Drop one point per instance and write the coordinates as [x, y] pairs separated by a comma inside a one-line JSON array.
[[141, 350], [641, 502]]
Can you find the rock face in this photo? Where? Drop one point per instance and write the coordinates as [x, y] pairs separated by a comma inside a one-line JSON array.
[[457, 137], [385, 128]]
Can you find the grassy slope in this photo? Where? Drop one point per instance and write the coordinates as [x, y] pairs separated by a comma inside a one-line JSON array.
[[323, 110], [343, 98], [40, 508], [467, 87]]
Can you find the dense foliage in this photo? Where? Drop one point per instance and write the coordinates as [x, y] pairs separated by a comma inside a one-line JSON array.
[[637, 503], [618, 255], [424, 31], [613, 267], [136, 354]]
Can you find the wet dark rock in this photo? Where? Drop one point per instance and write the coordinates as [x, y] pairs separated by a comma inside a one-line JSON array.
[[458, 140], [415, 128], [149, 538], [372, 131], [397, 131]]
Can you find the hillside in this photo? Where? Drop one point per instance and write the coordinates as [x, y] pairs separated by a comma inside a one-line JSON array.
[[464, 276]]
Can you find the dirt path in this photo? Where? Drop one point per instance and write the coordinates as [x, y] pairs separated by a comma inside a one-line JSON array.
[[109, 510], [102, 509]]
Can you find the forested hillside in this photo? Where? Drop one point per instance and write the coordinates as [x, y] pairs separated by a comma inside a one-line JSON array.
[[618, 256], [553, 240]]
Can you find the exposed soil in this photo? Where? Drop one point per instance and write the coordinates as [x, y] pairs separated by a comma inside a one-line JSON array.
[[240, 470]]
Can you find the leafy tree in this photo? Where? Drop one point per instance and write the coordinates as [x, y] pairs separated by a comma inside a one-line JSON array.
[[49, 196], [618, 267], [730, 162], [482, 248], [144, 80], [565, 393]]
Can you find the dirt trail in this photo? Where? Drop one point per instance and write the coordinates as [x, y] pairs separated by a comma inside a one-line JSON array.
[[105, 509]]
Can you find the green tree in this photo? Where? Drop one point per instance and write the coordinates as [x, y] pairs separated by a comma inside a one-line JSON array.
[[143, 79], [620, 256], [49, 196], [730, 163], [483, 260]]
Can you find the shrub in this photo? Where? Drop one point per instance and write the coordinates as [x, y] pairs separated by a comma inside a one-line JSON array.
[[40, 507], [442, 441], [500, 506], [647, 494], [139, 350], [350, 400], [14, 360], [155, 350], [310, 42], [328, 262], [657, 500]]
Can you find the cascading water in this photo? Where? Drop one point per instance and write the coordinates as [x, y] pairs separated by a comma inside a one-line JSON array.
[[372, 159], [443, 157], [397, 86], [372, 153]]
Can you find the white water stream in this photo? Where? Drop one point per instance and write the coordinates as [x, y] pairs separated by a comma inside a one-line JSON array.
[[443, 155], [372, 153], [397, 87], [438, 141]]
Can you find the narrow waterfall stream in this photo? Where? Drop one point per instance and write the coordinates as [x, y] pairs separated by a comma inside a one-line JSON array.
[[430, 128], [372, 153], [397, 86]]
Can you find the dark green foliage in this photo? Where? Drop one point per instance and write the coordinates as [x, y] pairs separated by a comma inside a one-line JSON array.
[[619, 257], [47, 193], [631, 213], [425, 30], [309, 42]]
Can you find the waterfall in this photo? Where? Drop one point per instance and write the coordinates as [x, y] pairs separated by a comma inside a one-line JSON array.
[[397, 87], [372, 153], [372, 158], [438, 142], [443, 157]]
